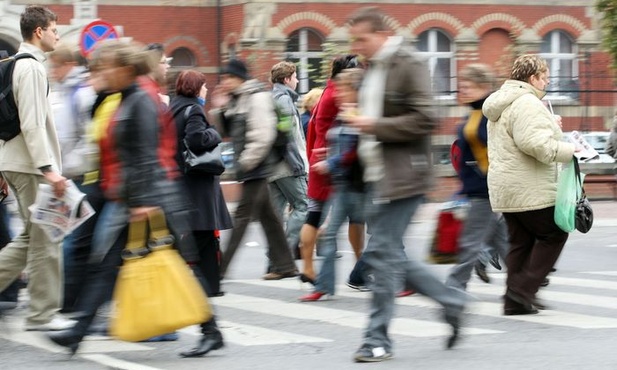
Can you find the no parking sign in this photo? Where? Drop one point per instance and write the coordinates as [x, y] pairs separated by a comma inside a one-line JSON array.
[[93, 33]]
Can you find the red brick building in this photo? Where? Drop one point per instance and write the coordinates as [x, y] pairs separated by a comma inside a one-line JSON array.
[[203, 34]]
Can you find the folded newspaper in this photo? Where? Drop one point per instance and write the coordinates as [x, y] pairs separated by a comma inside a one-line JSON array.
[[584, 151], [58, 217]]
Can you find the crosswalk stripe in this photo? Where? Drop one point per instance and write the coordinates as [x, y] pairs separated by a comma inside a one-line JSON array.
[[552, 296], [402, 326], [250, 335], [581, 283], [607, 273], [548, 317]]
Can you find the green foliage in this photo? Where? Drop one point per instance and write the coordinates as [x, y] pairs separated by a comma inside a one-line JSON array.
[[608, 10]]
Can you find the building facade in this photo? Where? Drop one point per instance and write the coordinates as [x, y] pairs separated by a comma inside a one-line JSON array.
[[204, 34]]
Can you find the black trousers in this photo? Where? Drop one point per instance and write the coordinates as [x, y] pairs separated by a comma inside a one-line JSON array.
[[80, 245], [10, 294], [535, 245], [208, 247]]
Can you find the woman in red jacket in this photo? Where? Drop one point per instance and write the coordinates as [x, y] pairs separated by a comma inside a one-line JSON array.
[[324, 114]]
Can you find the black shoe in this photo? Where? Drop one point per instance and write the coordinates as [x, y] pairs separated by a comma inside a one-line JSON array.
[[66, 338], [519, 299], [520, 311], [539, 305], [481, 272], [494, 261], [545, 282], [207, 343], [306, 279]]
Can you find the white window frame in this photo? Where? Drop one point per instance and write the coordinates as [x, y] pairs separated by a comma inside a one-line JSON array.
[[303, 55], [554, 57], [432, 55]]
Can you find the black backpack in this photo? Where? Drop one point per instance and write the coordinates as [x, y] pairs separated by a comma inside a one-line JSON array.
[[9, 115]]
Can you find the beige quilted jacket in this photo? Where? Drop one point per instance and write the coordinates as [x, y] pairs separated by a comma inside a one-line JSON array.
[[524, 145]]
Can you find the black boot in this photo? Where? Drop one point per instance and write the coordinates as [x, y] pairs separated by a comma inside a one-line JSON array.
[[66, 338], [211, 339]]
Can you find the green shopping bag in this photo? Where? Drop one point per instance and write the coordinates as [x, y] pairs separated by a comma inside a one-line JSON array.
[[568, 192]]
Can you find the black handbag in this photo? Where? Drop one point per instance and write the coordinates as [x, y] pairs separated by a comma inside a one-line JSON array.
[[209, 162], [583, 219]]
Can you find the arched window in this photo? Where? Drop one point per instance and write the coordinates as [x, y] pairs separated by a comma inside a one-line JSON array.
[[304, 49], [436, 46], [183, 57], [559, 50]]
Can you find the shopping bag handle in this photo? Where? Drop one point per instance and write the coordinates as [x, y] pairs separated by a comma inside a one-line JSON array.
[[159, 233], [577, 173]]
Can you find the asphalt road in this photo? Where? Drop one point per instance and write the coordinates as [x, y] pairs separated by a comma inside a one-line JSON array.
[[266, 327]]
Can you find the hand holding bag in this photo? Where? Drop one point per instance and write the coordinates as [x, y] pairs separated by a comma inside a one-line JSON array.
[[209, 162], [572, 209], [156, 292]]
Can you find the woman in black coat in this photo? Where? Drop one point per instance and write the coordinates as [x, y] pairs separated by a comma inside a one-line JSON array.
[[210, 212]]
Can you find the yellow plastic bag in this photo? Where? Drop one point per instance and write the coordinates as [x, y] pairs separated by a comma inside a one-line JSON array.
[[156, 292]]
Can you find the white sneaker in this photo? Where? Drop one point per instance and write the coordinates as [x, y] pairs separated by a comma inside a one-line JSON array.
[[56, 324]]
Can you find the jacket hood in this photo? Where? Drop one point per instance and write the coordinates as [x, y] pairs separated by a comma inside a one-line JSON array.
[[511, 90], [249, 87], [179, 103]]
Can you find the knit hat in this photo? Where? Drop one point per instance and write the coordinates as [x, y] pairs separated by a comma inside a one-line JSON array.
[[237, 68]]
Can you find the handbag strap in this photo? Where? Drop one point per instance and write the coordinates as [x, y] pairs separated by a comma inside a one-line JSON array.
[[577, 173]]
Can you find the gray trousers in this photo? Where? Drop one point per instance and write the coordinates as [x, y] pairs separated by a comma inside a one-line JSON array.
[[482, 228], [32, 248], [292, 190], [387, 265]]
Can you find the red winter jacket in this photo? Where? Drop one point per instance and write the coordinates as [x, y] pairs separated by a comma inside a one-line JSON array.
[[324, 114]]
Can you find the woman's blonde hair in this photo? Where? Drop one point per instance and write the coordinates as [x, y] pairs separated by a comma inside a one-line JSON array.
[[124, 54], [479, 74], [526, 66], [311, 98]]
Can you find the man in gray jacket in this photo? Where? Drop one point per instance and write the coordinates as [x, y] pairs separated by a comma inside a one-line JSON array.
[[30, 159], [288, 184], [245, 112], [396, 120]]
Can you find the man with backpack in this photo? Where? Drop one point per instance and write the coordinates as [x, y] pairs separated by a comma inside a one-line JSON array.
[[243, 109], [288, 183], [29, 158]]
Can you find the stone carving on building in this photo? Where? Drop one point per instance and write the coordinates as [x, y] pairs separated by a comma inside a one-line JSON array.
[[257, 20]]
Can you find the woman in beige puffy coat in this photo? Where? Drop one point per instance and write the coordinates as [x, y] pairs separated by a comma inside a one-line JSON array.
[[524, 146]]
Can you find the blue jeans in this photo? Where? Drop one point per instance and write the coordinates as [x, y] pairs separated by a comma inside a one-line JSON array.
[[346, 204], [387, 265], [482, 228], [292, 190]]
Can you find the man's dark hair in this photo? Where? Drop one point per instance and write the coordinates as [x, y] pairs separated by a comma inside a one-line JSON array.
[[344, 62], [371, 15], [33, 17]]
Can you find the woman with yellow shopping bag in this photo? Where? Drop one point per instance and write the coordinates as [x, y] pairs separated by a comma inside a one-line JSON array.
[[141, 191]]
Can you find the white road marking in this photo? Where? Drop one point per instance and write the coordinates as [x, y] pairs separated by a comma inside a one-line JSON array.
[[115, 363], [352, 319], [548, 317], [250, 335]]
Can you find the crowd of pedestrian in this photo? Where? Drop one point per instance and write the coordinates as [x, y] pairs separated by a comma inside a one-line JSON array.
[[360, 154]]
